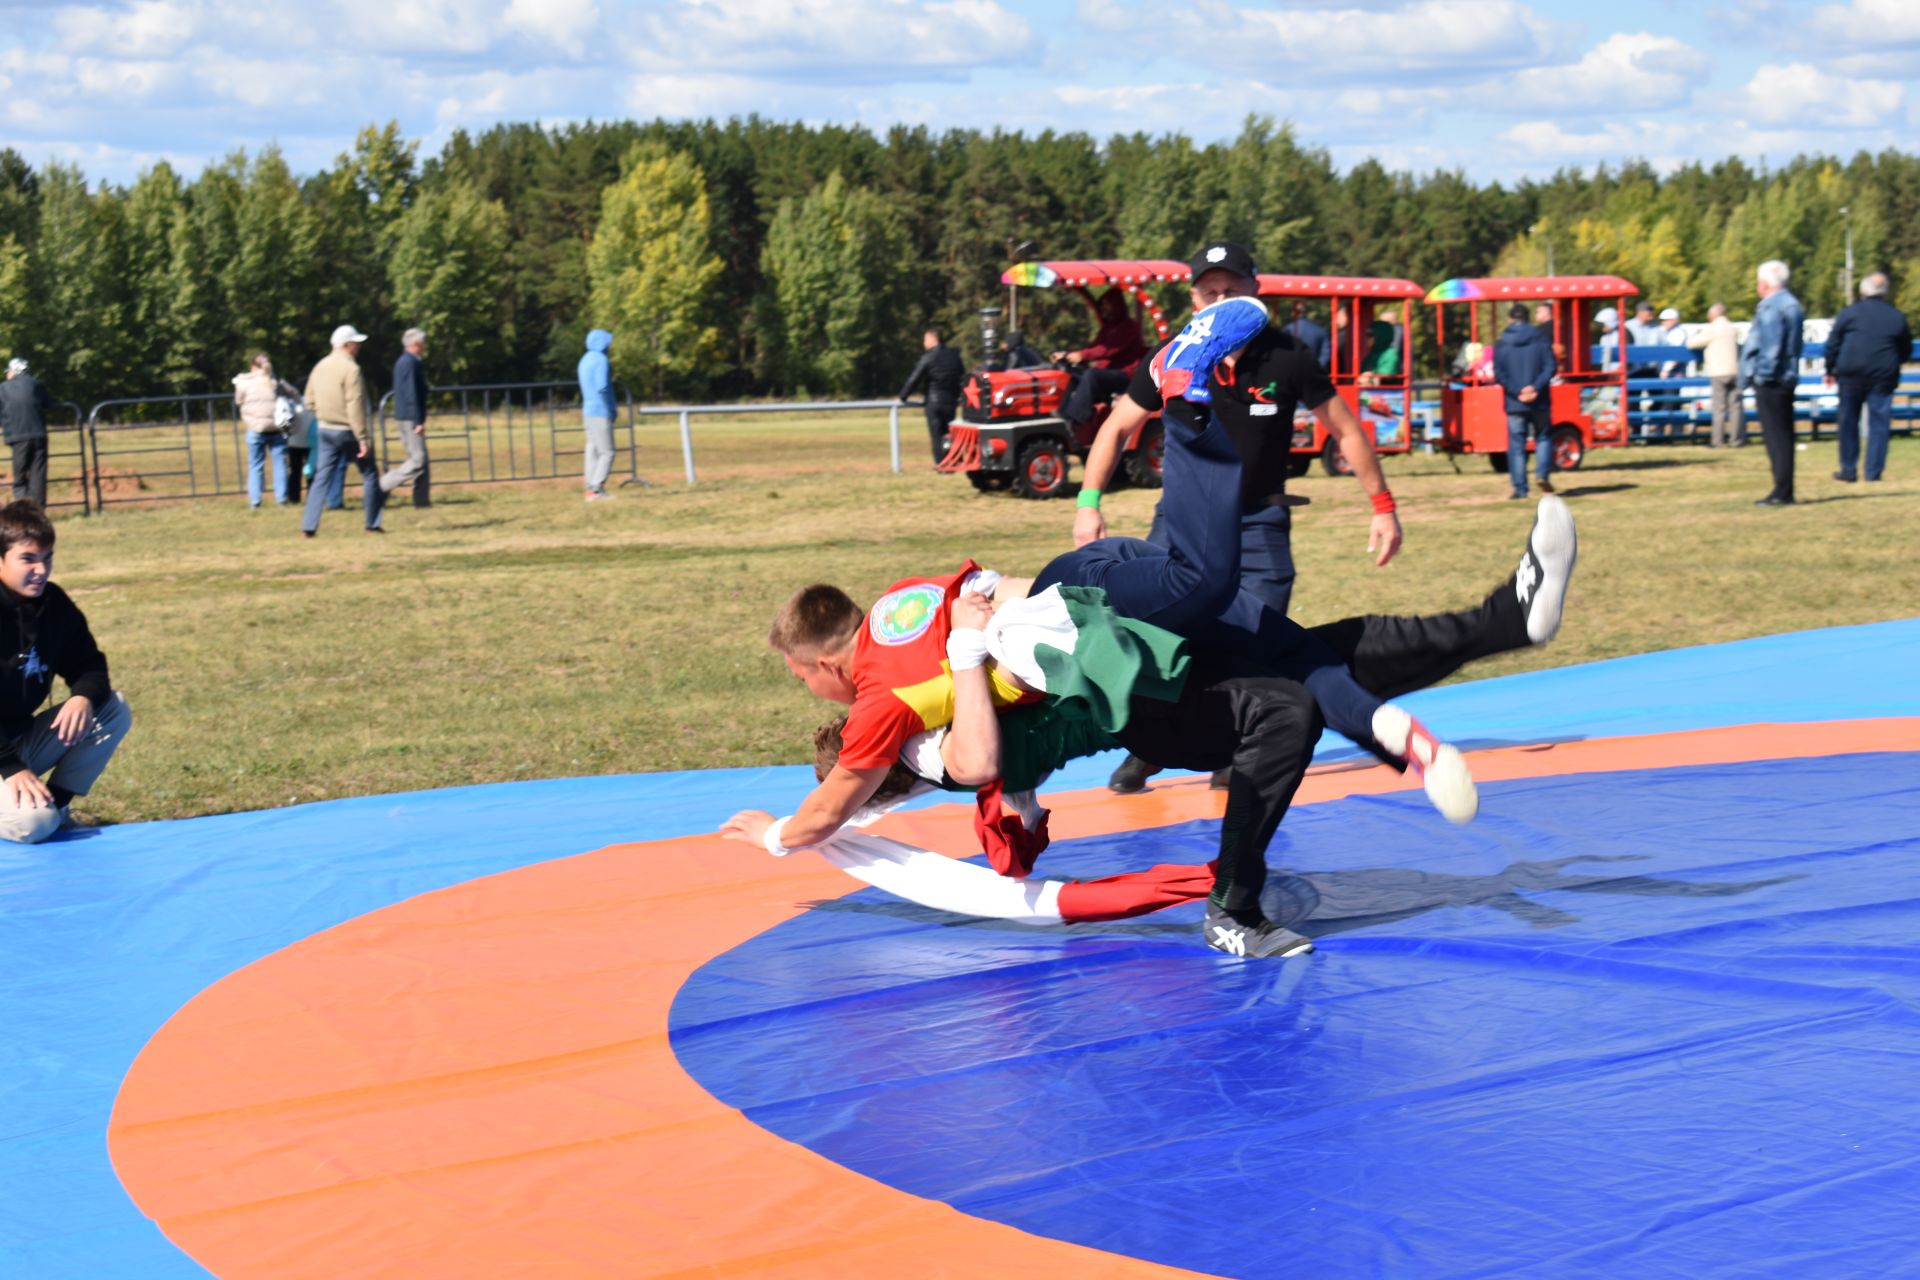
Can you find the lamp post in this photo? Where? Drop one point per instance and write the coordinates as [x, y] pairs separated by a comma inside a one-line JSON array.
[[1014, 250], [1535, 230], [1846, 272]]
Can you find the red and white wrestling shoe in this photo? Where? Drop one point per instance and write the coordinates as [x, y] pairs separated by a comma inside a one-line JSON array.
[[1440, 766]]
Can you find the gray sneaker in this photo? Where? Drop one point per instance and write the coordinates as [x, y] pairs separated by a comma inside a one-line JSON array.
[[1260, 940]]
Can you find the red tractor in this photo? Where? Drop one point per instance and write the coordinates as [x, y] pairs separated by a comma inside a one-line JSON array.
[[1011, 435]]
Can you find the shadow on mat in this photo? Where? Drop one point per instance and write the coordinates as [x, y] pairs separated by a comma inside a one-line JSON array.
[[1322, 903]]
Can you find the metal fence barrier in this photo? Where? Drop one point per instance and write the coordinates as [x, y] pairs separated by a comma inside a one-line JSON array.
[[509, 431], [67, 444], [161, 447], [1679, 410], [687, 412]]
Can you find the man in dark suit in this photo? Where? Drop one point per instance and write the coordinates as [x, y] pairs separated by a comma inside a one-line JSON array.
[[941, 369], [1523, 365], [1867, 345]]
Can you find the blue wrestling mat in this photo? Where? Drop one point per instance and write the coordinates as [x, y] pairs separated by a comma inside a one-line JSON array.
[[1658, 1019], [1648, 1023]]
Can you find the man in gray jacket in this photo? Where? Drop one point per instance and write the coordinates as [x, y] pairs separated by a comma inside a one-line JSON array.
[[24, 405]]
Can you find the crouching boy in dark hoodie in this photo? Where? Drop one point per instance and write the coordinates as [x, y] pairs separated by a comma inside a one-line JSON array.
[[44, 634]]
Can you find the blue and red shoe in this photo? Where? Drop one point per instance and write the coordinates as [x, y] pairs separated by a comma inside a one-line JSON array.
[[1181, 368]]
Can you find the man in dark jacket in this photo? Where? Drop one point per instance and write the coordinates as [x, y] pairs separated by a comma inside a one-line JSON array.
[[24, 405], [940, 368], [1523, 365], [1867, 345], [47, 636], [410, 418]]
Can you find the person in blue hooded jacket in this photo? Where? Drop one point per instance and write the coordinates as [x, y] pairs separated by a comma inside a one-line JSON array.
[[596, 407], [1523, 365]]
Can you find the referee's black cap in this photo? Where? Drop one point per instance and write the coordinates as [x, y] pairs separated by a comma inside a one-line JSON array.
[[1223, 255]]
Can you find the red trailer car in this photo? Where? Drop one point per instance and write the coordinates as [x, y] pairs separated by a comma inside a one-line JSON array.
[[1588, 400]]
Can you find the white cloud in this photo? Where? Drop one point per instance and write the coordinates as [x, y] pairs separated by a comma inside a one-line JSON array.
[[145, 29], [1802, 94], [1634, 71], [431, 28], [565, 24], [1653, 140], [1430, 39], [889, 40], [1868, 24]]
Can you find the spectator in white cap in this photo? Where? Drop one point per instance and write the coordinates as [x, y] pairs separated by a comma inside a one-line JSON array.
[[337, 394], [24, 406], [1608, 322]]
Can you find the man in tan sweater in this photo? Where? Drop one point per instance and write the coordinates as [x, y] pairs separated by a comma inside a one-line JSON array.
[[1721, 364], [337, 395]]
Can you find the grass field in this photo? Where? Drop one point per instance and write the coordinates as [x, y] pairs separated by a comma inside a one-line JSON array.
[[514, 632]]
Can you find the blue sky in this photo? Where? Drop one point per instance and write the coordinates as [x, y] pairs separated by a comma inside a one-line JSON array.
[[1500, 88]]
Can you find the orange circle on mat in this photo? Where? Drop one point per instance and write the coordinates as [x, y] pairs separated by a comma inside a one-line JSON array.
[[478, 1081]]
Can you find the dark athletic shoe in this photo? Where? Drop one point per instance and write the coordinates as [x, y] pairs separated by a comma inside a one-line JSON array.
[[1212, 335], [1546, 566], [1261, 940], [1844, 477], [1131, 777]]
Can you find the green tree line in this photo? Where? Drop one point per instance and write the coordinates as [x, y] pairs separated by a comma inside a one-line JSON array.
[[757, 258]]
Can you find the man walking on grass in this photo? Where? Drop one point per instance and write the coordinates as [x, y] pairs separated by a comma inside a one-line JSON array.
[[337, 394], [410, 416]]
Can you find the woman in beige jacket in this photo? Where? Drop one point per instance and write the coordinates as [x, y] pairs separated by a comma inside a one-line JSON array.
[[258, 393]]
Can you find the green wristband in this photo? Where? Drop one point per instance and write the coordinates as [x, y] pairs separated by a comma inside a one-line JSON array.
[[1089, 497]]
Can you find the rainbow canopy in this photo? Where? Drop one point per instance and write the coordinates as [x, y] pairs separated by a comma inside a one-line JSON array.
[[1531, 288]]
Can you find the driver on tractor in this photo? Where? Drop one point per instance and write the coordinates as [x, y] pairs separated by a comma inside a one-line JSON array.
[[1106, 365]]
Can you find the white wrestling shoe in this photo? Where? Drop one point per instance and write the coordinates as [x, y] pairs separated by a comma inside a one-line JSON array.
[[1546, 566], [1442, 769]]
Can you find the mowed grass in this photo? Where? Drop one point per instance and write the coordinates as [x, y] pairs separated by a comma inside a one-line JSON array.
[[515, 632]]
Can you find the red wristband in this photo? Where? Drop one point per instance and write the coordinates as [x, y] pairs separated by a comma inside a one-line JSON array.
[[1382, 503]]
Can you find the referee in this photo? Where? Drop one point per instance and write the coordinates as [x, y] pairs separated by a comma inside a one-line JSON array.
[[1254, 397]]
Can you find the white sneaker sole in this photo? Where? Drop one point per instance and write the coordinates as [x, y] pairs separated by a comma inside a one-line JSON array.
[[1446, 779], [1449, 785], [1556, 546]]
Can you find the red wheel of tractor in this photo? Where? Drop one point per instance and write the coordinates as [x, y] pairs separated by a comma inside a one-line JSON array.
[[1569, 448], [1146, 465], [1041, 471]]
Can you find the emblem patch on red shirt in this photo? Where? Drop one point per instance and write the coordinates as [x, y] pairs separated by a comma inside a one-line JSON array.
[[903, 616]]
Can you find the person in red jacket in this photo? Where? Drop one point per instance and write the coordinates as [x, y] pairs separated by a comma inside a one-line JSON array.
[[1106, 362]]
